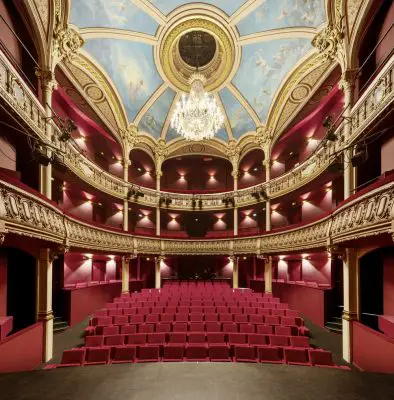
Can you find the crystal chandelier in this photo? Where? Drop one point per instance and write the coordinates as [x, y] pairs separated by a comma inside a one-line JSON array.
[[197, 115]]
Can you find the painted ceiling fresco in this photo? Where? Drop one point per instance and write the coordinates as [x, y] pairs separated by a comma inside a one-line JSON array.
[[130, 64]]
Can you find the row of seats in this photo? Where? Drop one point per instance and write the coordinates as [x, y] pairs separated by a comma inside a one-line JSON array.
[[199, 318], [105, 312], [231, 339], [194, 327], [195, 352]]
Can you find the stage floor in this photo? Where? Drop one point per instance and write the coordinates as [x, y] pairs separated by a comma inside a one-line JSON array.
[[193, 381]]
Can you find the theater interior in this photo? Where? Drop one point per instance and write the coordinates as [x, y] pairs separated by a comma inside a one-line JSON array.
[[196, 199]]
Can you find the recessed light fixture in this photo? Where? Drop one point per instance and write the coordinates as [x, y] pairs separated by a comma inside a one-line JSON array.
[[254, 214], [139, 169], [140, 215], [255, 169], [196, 219], [147, 259]]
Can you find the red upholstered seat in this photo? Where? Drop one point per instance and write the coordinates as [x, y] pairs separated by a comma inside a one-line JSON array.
[[97, 355], [149, 353], [73, 358], [183, 310], [90, 330], [179, 327], [230, 327], [258, 339], [216, 337], [143, 310], [196, 317], [123, 354], [177, 337], [321, 358], [163, 327], [280, 313], [135, 338], [263, 311], [146, 328], [126, 329], [209, 310], [283, 330], [196, 310], [269, 354], [219, 352], [170, 310], [211, 317], [272, 320], [296, 356], [152, 318], [249, 310], [278, 340], [256, 319], [240, 318], [196, 352], [114, 340], [222, 309], [121, 320], [167, 318], [196, 326], [245, 353], [94, 341], [136, 319], [181, 317], [196, 337], [130, 311], [264, 329], [299, 341], [247, 328], [225, 317], [156, 338], [173, 352], [237, 338], [113, 312]]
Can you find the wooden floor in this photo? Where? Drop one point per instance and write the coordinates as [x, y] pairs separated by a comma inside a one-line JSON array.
[[193, 381]]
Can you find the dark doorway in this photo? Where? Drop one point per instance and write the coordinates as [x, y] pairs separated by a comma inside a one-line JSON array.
[[57, 287], [21, 288]]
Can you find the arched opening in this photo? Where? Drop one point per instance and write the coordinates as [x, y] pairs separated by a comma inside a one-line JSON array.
[[196, 173], [251, 169], [142, 169]]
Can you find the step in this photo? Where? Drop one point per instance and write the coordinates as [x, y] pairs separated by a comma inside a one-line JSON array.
[[334, 326]]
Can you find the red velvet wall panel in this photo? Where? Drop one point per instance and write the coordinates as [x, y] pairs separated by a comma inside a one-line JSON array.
[[372, 351], [3, 284], [388, 285], [386, 46], [295, 270], [77, 269], [98, 271], [309, 301], [22, 351], [83, 301]]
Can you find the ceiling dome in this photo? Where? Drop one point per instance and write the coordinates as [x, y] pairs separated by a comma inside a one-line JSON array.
[[247, 51]]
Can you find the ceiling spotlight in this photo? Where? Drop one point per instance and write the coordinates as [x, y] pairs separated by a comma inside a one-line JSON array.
[[139, 169], [255, 169], [254, 214], [140, 215]]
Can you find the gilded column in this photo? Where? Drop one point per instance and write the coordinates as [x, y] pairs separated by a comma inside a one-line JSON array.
[[48, 84], [267, 165], [158, 261], [268, 274], [158, 216], [235, 176], [234, 262], [350, 300], [347, 84], [44, 299], [125, 274], [125, 201]]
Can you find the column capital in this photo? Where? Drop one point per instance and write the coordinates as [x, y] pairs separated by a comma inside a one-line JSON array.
[[66, 43], [47, 78], [45, 315], [337, 251], [265, 257], [348, 80], [127, 258], [349, 315]]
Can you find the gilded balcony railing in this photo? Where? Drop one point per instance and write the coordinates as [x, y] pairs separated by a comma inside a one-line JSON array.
[[17, 95]]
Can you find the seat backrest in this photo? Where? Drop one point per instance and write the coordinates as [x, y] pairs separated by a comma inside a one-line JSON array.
[[73, 356], [177, 337]]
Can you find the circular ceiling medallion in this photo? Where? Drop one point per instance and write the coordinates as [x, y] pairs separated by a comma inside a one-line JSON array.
[[74, 95], [197, 148], [218, 52], [197, 48], [300, 93], [94, 92]]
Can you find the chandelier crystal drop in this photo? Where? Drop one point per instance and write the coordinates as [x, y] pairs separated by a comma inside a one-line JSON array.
[[197, 115]]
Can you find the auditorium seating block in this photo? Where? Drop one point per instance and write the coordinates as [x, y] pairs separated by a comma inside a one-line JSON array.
[[196, 322]]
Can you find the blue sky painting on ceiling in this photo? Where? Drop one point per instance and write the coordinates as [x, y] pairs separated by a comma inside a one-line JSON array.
[[172, 134], [239, 118], [130, 66], [228, 6], [154, 119], [263, 67], [222, 134], [121, 14], [275, 14]]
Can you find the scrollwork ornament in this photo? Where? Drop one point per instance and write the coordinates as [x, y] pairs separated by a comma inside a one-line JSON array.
[[46, 78], [264, 139], [66, 43], [2, 238], [233, 154], [130, 137], [160, 152]]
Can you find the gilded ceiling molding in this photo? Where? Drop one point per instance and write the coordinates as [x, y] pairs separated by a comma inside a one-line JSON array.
[[234, 90], [227, 124], [90, 67], [247, 8], [160, 152], [233, 153], [160, 90], [305, 65], [151, 10], [146, 143], [209, 148], [83, 83], [273, 34], [120, 34], [247, 144], [129, 139], [309, 85]]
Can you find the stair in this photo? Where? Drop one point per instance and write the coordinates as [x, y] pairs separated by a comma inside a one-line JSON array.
[[335, 325], [59, 325]]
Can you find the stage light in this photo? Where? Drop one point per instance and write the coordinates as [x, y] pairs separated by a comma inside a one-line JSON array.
[[254, 215]]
